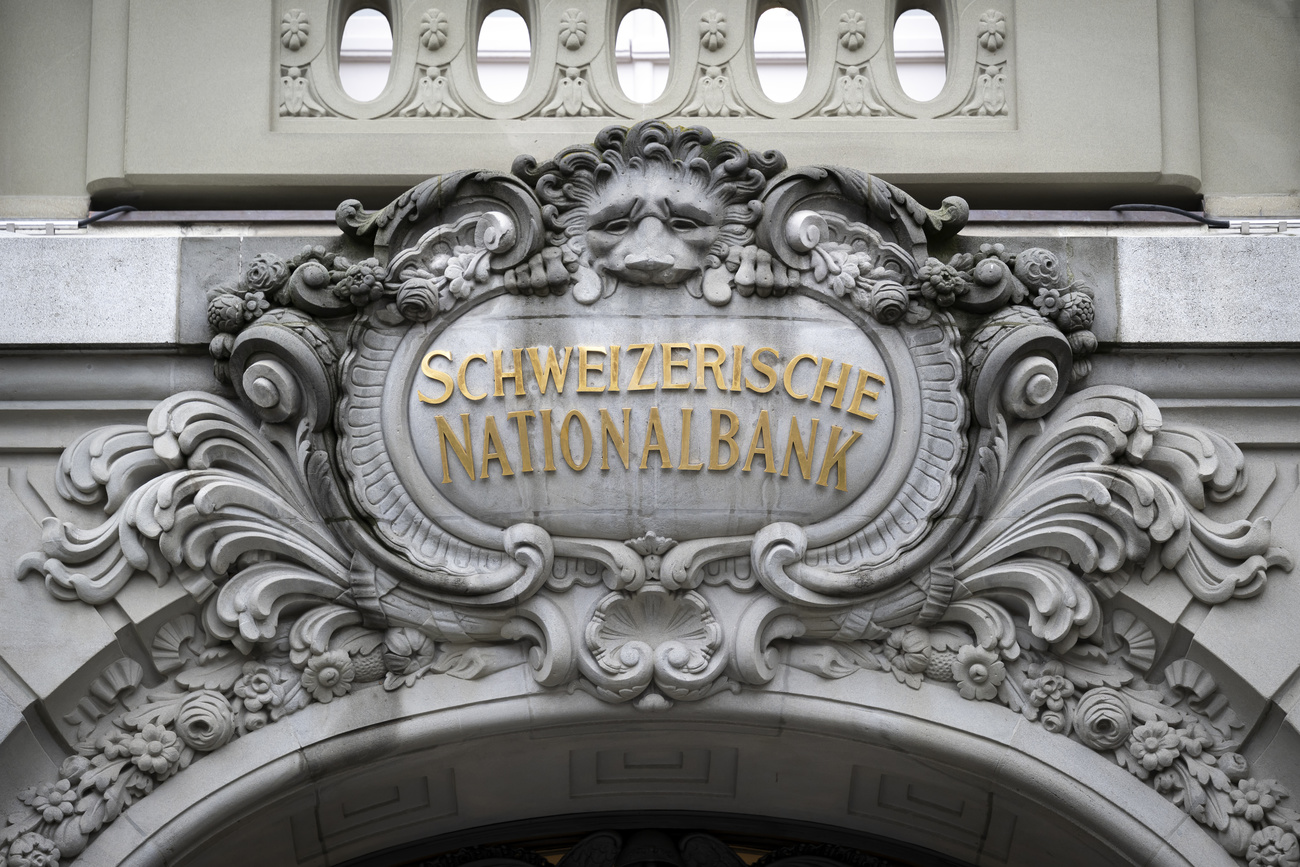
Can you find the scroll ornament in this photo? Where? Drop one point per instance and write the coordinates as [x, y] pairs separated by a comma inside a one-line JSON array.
[[1022, 504]]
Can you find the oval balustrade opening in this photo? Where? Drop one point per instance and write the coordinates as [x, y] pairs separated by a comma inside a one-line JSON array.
[[643, 55], [365, 54], [919, 55], [504, 53], [780, 55]]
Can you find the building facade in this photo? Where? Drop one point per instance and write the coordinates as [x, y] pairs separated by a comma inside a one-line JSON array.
[[712, 480]]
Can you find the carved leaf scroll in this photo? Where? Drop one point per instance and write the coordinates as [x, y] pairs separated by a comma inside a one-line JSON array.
[[986, 564]]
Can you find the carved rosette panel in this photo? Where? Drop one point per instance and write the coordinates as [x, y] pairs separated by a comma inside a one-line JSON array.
[[851, 63], [655, 418]]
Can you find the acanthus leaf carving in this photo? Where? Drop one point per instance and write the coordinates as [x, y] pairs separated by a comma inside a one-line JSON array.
[[322, 557]]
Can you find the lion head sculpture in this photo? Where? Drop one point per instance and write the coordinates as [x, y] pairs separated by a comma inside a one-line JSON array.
[[652, 206]]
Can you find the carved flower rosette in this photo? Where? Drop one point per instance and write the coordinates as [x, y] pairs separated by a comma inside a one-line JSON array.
[[654, 418]]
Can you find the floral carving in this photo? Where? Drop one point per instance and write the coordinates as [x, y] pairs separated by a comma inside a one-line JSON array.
[[572, 96], [853, 95], [1253, 799], [230, 308], [714, 95], [987, 96], [1273, 847], [978, 672], [853, 30], [434, 28], [33, 850], [297, 96], [205, 721], [154, 750], [54, 801], [434, 96], [573, 29], [1051, 688], [266, 274], [230, 311], [262, 689], [1155, 745], [713, 30], [328, 676], [908, 651], [993, 30], [249, 507], [652, 548], [943, 282], [294, 28], [362, 282], [849, 91]]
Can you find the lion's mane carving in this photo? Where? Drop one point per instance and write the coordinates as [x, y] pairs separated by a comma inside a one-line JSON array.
[[310, 578], [653, 205]]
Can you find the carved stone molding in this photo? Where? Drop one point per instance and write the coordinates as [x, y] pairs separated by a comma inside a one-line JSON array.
[[851, 65], [655, 418]]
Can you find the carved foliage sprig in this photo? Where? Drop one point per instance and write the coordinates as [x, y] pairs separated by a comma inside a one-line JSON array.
[[1176, 735]]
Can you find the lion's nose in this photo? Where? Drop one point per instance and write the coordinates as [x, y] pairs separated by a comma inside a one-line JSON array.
[[648, 263]]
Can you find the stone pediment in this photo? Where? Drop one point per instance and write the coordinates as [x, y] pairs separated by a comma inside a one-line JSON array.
[[654, 419]]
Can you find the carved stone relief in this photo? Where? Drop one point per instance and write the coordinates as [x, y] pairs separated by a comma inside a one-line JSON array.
[[655, 418], [988, 92], [850, 66]]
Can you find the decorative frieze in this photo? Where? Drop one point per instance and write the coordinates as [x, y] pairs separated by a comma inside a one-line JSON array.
[[655, 418], [851, 66]]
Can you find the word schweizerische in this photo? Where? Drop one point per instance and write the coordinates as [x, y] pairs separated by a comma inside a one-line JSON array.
[[643, 367]]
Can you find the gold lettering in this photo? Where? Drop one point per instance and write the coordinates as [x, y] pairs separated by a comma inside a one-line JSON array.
[[609, 435], [499, 376], [613, 367], [840, 385], [426, 367], [548, 442], [585, 367], [671, 363], [464, 451], [521, 418], [737, 356], [646, 349], [686, 442], [460, 376], [543, 373], [837, 459], [763, 368], [862, 391], [493, 450], [586, 440], [764, 430], [654, 441], [789, 374], [803, 453], [704, 363], [717, 437]]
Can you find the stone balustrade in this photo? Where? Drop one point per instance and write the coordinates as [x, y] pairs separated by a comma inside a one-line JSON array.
[[1041, 101], [713, 70]]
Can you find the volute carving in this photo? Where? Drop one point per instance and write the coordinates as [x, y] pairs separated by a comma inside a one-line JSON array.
[[337, 527]]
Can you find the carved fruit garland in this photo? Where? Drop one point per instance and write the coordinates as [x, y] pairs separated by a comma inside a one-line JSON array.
[[1049, 503]]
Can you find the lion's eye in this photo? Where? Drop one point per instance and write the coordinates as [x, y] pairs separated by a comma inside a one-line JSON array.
[[683, 224], [615, 227]]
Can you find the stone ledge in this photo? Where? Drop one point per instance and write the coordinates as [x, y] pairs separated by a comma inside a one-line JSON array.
[[1212, 289], [1174, 286], [89, 290]]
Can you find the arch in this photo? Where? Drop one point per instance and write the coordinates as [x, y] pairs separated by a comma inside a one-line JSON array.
[[969, 783]]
